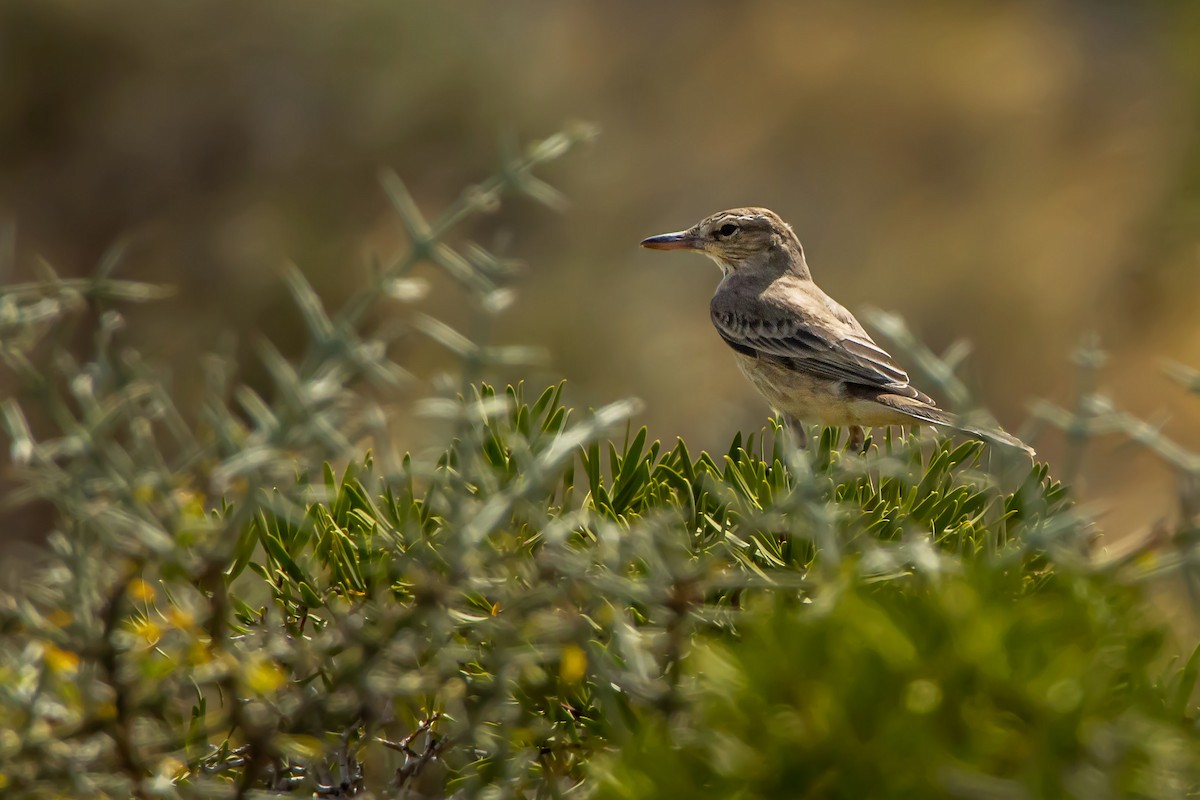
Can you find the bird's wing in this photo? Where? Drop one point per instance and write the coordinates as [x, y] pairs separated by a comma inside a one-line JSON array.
[[808, 332]]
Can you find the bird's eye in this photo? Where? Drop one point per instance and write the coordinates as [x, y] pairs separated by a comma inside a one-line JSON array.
[[728, 229]]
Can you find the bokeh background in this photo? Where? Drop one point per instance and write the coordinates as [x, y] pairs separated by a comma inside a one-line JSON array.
[[1017, 174]]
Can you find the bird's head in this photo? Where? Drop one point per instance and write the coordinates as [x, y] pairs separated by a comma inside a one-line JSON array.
[[741, 238]]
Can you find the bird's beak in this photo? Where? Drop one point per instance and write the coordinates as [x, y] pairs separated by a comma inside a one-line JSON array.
[[680, 240]]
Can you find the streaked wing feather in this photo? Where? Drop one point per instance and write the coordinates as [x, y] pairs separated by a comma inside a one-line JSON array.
[[876, 357], [803, 348]]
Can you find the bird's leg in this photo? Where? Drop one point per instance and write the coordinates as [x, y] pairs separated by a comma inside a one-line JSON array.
[[799, 434], [857, 438]]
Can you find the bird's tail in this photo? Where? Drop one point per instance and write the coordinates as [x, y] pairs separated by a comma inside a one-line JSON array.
[[996, 436], [936, 416]]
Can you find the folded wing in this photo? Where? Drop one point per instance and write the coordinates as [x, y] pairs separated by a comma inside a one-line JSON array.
[[820, 342]]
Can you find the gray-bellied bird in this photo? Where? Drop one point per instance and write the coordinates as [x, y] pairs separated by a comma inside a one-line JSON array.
[[809, 357]]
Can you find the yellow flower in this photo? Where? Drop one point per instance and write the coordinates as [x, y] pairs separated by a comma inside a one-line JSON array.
[[180, 619], [60, 662], [263, 676], [144, 629], [572, 664], [140, 590]]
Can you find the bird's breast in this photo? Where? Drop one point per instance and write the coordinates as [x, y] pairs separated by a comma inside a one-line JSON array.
[[814, 399]]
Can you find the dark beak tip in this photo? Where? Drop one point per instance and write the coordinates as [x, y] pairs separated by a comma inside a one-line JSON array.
[[668, 241]]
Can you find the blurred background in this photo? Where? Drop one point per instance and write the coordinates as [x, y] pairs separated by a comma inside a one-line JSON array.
[[1015, 174]]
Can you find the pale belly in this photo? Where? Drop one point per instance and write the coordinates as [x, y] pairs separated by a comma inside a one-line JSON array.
[[811, 399]]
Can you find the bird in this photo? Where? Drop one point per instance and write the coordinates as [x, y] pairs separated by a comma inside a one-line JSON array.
[[804, 353]]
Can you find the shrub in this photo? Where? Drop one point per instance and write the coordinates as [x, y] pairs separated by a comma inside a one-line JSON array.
[[970, 686]]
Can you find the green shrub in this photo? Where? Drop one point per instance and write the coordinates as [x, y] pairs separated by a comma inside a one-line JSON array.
[[969, 686]]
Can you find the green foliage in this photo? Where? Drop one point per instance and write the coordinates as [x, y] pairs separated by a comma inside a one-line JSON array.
[[247, 599], [501, 596], [967, 687]]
